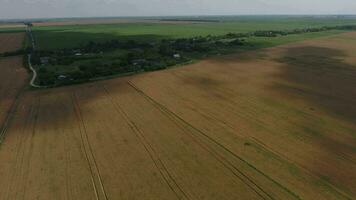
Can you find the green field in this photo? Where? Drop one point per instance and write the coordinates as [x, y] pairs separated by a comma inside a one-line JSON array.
[[263, 42], [70, 36]]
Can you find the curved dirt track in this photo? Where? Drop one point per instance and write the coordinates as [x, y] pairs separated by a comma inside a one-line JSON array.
[[34, 73], [278, 123]]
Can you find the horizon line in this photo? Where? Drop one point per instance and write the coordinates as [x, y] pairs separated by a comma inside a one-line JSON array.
[[169, 16]]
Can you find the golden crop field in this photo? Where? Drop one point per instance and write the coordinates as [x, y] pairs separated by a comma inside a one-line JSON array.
[[276, 123]]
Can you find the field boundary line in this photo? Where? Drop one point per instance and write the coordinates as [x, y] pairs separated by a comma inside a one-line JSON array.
[[83, 131], [5, 125], [12, 111], [212, 140], [10, 114], [148, 147]]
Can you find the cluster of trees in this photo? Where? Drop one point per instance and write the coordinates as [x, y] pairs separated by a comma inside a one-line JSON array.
[[46, 77], [171, 47], [88, 62], [96, 68], [18, 52], [272, 33], [201, 45], [165, 46], [190, 20], [96, 47]]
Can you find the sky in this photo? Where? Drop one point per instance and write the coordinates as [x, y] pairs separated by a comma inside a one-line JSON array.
[[19, 9]]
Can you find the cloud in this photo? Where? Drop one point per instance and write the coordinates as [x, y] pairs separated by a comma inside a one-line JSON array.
[[87, 8]]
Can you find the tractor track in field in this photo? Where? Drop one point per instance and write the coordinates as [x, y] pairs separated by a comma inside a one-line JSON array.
[[281, 156], [307, 171], [67, 163], [20, 151], [33, 133], [227, 164], [277, 154], [205, 146], [10, 114], [89, 155], [149, 149], [246, 180]]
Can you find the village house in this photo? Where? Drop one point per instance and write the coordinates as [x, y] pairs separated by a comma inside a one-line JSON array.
[[61, 77], [177, 56], [139, 62]]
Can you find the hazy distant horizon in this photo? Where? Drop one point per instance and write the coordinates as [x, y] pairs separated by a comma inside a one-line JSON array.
[[148, 17], [34, 9]]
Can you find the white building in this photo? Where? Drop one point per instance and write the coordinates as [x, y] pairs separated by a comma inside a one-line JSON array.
[[177, 56]]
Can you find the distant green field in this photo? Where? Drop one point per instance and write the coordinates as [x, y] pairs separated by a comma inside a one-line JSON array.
[[56, 37], [263, 42]]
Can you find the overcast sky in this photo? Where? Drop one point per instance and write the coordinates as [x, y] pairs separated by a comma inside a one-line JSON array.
[[89, 8]]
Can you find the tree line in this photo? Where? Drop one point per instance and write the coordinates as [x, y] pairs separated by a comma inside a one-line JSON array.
[[89, 61]]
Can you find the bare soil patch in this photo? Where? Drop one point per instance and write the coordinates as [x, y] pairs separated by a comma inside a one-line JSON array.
[[11, 41]]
